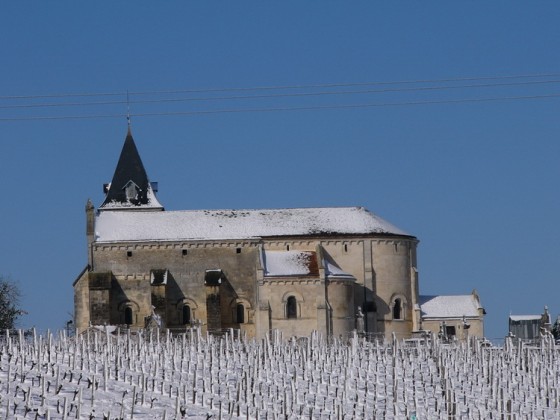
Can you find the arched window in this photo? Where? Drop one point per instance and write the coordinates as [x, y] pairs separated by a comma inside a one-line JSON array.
[[186, 314], [397, 309], [291, 307], [128, 315], [128, 312], [240, 313]]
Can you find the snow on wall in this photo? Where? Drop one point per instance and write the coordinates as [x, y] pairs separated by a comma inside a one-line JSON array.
[[114, 226]]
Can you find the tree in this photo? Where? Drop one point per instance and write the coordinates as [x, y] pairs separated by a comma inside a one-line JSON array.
[[9, 303]]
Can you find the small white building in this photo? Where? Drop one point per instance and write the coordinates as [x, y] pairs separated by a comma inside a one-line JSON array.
[[456, 316], [529, 327]]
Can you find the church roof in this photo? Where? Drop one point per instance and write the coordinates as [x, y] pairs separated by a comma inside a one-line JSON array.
[[239, 224], [130, 187], [449, 306]]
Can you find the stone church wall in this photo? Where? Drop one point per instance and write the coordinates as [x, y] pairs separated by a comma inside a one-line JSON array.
[[81, 301], [383, 271], [381, 267], [186, 265], [393, 260]]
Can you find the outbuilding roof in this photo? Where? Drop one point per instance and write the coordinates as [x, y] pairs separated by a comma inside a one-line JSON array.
[[115, 226], [450, 306], [518, 318]]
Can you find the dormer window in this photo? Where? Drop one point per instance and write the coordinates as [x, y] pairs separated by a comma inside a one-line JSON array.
[[131, 191]]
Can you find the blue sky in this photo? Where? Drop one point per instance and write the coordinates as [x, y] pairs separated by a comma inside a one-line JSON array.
[[475, 181]]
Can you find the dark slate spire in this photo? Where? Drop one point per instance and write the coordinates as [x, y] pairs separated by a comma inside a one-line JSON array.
[[130, 188]]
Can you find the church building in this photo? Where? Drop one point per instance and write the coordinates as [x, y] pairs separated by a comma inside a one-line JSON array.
[[296, 270]]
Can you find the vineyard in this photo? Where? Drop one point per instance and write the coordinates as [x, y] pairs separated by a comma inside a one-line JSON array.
[[146, 375]]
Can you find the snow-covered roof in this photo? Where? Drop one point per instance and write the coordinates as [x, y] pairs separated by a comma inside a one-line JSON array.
[[449, 306], [115, 226], [150, 202], [525, 317], [298, 263], [333, 270], [290, 263]]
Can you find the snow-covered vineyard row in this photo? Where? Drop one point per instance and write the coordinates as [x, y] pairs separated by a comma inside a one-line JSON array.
[[103, 376]]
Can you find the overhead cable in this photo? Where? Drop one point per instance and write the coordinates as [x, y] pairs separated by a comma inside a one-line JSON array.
[[280, 95], [280, 87], [279, 109]]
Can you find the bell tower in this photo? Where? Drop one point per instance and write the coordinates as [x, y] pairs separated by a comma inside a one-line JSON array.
[[130, 188]]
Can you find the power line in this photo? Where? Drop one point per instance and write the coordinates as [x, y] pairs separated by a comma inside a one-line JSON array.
[[334, 85], [280, 87], [280, 109], [280, 95]]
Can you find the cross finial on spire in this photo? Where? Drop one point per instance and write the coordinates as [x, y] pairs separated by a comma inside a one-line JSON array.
[[127, 110]]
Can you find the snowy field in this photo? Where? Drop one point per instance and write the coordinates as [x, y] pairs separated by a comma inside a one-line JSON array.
[[150, 376]]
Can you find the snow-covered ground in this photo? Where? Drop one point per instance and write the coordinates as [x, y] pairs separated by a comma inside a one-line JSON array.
[[151, 376]]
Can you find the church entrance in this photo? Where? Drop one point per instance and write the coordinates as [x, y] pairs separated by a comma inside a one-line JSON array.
[[213, 281]]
